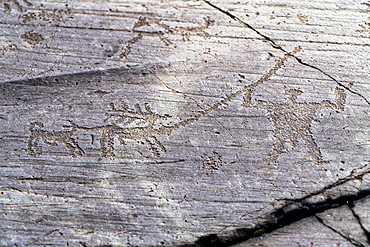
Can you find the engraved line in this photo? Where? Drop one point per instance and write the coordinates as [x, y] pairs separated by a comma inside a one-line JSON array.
[[246, 89], [274, 45]]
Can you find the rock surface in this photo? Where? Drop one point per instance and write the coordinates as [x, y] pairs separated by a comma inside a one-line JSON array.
[[193, 123]]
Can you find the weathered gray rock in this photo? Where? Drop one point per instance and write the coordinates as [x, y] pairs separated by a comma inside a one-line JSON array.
[[162, 122]]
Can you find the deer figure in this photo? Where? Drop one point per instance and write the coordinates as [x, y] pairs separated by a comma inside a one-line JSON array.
[[138, 125]]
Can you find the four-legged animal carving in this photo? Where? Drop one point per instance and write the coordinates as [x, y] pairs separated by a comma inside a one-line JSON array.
[[143, 129], [137, 125], [291, 120], [52, 138]]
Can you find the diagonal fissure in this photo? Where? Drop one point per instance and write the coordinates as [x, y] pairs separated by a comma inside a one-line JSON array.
[[352, 241], [276, 46], [293, 211], [358, 219]]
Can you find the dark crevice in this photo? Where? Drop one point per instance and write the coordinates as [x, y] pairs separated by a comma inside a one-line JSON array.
[[352, 241], [339, 182], [293, 211], [366, 232], [276, 46]]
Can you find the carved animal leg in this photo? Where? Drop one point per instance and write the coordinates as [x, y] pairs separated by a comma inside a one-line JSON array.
[[73, 148], [152, 147], [313, 149], [121, 140], [340, 98], [294, 143], [33, 149], [36, 134], [50, 142], [158, 144], [78, 149], [277, 149], [107, 144], [247, 97]]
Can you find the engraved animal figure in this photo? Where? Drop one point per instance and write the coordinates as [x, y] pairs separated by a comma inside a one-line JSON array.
[[138, 125], [16, 4], [292, 121], [160, 31], [52, 138]]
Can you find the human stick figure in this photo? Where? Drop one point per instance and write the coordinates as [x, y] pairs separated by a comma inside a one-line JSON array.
[[292, 121]]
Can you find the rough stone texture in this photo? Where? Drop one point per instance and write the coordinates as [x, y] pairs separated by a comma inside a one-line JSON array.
[[195, 123]]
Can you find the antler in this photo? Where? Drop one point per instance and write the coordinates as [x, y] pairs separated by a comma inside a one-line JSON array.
[[150, 117], [124, 115]]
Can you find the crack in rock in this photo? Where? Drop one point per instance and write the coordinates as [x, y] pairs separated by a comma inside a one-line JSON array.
[[293, 211], [276, 46]]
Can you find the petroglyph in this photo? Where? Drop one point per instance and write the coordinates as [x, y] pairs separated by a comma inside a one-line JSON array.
[[292, 122], [284, 115], [364, 27], [14, 4], [32, 37], [141, 125], [142, 21], [212, 161], [48, 16], [52, 138], [185, 32], [137, 125], [30, 14], [159, 29]]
